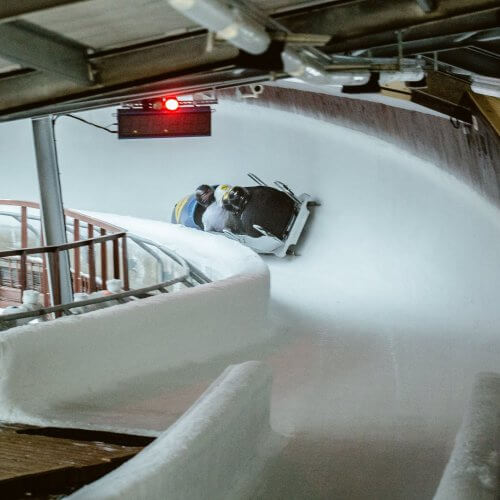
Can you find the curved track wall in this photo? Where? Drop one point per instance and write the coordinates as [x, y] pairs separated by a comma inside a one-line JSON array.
[[472, 155], [50, 371], [392, 306]]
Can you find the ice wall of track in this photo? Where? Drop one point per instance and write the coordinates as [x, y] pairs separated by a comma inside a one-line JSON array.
[[45, 366], [215, 450], [473, 469], [392, 306]]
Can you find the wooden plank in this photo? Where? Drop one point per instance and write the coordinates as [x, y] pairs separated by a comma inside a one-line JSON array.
[[489, 108], [54, 461]]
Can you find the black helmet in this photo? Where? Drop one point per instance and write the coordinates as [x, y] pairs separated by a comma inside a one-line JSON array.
[[236, 199], [204, 195]]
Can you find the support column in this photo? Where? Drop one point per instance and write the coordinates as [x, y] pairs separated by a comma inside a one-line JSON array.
[[51, 206]]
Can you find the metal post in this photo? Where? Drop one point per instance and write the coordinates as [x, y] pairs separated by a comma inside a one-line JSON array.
[[51, 206]]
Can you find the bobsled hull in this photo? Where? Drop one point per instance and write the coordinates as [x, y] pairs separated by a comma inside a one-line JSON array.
[[259, 227]]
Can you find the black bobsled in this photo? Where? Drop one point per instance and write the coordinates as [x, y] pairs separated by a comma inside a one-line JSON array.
[[267, 219]]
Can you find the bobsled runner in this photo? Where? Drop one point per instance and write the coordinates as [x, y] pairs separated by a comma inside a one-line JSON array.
[[267, 219]]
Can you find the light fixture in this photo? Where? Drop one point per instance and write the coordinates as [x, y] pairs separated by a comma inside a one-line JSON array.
[[171, 104], [228, 23], [306, 68]]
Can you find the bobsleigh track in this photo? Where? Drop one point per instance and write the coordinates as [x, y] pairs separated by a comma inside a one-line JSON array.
[[372, 335]]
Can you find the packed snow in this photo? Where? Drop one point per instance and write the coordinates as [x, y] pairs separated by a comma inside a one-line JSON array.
[[82, 368], [473, 469], [215, 450]]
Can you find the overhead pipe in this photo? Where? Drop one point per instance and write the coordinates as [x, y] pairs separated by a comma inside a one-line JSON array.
[[304, 67], [229, 24]]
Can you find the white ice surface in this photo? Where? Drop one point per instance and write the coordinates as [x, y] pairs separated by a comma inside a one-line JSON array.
[[90, 370], [215, 450], [473, 471], [387, 314]]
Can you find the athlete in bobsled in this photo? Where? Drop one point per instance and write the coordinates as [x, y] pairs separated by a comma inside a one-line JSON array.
[[264, 218]]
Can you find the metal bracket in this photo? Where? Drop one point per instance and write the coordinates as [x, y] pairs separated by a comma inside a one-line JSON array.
[[251, 91]]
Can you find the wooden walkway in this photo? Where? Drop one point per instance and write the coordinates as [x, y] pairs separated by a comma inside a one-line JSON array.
[[43, 462]]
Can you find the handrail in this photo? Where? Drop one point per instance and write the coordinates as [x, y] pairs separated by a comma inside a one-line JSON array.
[[139, 240], [188, 271], [92, 223], [189, 277], [61, 248], [195, 272], [69, 213], [81, 303]]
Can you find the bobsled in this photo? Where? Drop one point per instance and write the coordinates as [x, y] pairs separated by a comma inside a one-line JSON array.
[[267, 219]]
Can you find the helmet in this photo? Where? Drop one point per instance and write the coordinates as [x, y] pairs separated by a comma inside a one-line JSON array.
[[236, 199], [221, 191], [204, 195]]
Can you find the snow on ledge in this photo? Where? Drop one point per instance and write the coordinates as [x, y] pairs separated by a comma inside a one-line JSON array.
[[214, 254], [46, 365], [473, 469], [215, 450]]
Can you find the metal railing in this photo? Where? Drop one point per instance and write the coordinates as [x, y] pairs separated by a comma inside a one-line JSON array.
[[52, 254], [189, 275], [81, 282]]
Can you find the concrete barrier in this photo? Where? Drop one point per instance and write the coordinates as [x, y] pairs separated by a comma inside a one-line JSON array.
[[45, 365], [215, 450], [472, 472]]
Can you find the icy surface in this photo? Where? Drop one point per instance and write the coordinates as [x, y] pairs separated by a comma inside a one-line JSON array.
[[215, 450], [473, 469], [102, 369], [387, 314]]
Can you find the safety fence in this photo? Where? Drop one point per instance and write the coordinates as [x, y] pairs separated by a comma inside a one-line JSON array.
[[93, 261], [26, 268]]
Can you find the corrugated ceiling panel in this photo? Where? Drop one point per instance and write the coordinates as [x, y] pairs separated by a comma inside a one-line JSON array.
[[107, 23]]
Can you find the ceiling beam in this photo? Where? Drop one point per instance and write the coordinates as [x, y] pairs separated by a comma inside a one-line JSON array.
[[472, 59], [126, 71], [122, 73], [33, 47], [354, 19], [10, 10], [434, 44], [463, 23]]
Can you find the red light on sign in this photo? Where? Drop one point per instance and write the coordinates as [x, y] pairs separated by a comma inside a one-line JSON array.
[[172, 104]]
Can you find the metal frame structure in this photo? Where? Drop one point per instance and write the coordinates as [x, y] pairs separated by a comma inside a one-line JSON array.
[[31, 46], [52, 208], [463, 33]]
